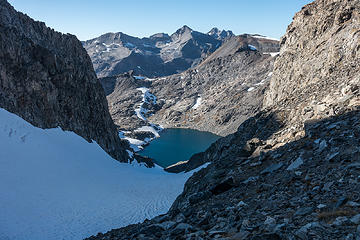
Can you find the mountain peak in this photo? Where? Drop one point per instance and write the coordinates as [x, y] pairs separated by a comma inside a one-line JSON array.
[[186, 27], [183, 30], [220, 34], [213, 30]]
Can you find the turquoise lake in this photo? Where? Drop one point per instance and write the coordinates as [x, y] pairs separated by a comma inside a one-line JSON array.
[[177, 144]]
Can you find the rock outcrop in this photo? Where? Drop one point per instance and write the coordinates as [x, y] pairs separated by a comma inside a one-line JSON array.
[[325, 36], [291, 171], [47, 78]]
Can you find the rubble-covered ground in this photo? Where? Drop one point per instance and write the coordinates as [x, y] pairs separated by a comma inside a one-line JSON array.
[[306, 189], [292, 170]]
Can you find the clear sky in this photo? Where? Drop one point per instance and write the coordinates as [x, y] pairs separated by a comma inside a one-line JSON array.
[[91, 18]]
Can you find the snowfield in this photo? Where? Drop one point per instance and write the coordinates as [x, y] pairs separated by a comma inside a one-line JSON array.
[[265, 37], [55, 185]]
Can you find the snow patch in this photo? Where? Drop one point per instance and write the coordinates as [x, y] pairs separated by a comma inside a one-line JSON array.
[[147, 97], [135, 144], [197, 103], [253, 48], [129, 45], [108, 47], [259, 83], [140, 112], [131, 154], [264, 37], [273, 54], [148, 129]]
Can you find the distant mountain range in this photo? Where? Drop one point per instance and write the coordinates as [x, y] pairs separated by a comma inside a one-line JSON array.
[[158, 55]]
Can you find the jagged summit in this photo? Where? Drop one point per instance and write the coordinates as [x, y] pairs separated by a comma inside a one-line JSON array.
[[220, 34], [183, 29], [182, 33]]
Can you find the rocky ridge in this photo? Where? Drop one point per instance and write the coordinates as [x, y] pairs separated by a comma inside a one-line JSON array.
[[238, 43], [47, 78], [291, 171], [158, 55]]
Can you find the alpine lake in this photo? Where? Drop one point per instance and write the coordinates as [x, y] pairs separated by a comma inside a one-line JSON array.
[[177, 144]]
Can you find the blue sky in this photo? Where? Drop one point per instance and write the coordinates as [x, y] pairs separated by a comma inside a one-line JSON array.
[[91, 18]]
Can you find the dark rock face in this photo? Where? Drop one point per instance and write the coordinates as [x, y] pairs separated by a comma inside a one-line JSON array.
[[47, 79], [328, 30], [291, 171], [158, 55]]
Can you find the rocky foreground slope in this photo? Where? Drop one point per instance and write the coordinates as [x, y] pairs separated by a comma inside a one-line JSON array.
[[292, 170], [47, 78]]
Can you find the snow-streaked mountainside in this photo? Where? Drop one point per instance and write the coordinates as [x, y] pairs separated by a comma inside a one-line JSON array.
[[158, 55], [55, 185]]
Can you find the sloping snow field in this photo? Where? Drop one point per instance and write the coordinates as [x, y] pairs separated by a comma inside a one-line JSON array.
[[55, 185]]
